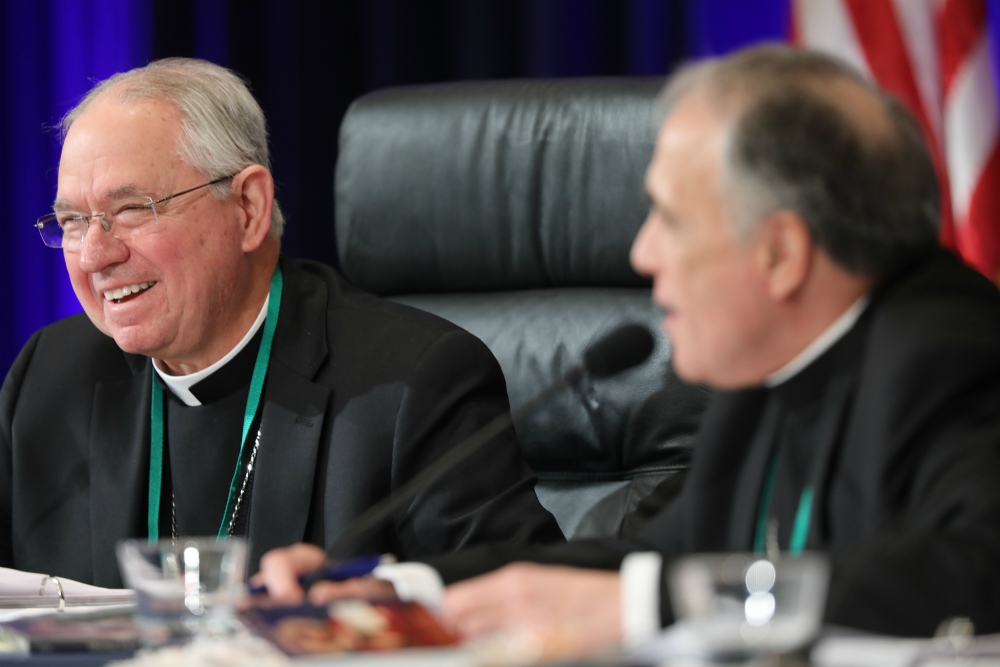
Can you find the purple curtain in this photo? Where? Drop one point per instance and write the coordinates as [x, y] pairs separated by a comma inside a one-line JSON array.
[[306, 61]]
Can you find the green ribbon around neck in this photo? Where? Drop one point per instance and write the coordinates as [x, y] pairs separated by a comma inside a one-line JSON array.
[[803, 515], [253, 402]]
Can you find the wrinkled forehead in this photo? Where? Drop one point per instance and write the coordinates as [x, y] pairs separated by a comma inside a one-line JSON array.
[[113, 148]]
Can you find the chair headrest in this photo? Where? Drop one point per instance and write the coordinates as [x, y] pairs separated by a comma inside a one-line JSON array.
[[498, 185]]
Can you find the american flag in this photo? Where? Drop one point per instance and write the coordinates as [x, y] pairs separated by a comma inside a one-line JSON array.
[[934, 55]]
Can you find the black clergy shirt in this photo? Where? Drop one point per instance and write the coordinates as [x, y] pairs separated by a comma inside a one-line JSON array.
[[800, 418], [793, 423], [201, 445]]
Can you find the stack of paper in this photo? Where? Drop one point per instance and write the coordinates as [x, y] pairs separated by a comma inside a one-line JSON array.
[[30, 589]]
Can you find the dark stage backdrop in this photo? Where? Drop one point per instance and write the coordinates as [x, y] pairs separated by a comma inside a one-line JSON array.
[[305, 61]]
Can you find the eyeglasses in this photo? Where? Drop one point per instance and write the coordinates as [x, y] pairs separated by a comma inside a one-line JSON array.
[[123, 220]]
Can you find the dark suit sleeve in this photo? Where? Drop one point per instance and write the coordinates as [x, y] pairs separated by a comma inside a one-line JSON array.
[[662, 534], [604, 554], [456, 388], [9, 395], [939, 555], [928, 412]]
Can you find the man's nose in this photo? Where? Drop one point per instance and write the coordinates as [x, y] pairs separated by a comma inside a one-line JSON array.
[[99, 249], [642, 254]]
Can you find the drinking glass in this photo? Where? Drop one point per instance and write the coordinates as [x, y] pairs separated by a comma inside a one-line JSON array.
[[739, 604], [185, 589]]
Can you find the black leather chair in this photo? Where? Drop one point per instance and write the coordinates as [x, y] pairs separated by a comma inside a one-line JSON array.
[[509, 208]]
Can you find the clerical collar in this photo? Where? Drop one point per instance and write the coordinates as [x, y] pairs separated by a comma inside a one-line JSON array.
[[180, 385], [821, 344]]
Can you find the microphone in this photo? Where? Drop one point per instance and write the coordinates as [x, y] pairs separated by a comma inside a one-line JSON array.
[[625, 347]]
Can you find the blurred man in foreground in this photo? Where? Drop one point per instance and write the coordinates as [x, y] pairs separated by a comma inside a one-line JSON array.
[[792, 241], [214, 387]]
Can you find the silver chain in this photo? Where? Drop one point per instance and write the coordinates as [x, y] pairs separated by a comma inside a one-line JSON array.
[[246, 478], [239, 498]]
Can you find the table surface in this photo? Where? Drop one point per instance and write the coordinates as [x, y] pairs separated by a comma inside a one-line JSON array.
[[63, 659]]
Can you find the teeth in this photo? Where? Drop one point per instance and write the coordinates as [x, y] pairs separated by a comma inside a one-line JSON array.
[[114, 295]]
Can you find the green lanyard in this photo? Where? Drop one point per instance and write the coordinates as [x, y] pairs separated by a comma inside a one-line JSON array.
[[800, 529], [253, 401]]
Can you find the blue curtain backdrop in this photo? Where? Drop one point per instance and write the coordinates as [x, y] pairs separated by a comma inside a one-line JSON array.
[[305, 61]]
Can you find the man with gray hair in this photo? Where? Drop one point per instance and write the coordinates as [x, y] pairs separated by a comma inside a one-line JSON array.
[[214, 387], [791, 240]]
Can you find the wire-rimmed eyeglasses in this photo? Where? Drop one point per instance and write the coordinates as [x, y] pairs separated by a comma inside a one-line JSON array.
[[65, 229]]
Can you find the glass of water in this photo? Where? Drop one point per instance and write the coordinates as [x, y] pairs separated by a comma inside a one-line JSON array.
[[185, 589], [738, 604]]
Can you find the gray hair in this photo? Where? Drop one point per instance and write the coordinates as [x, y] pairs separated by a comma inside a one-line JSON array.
[[223, 127], [863, 182]]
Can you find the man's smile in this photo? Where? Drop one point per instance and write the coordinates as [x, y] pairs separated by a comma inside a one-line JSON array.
[[126, 292]]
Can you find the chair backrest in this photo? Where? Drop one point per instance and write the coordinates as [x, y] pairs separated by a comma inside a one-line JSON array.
[[509, 208]]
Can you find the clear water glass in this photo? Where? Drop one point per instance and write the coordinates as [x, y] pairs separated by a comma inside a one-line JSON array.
[[185, 589], [740, 604]]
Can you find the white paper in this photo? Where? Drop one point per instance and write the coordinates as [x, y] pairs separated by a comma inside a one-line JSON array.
[[870, 651], [24, 589], [882, 651]]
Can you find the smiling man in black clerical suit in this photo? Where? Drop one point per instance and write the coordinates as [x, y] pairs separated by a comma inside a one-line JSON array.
[[792, 242], [213, 387]]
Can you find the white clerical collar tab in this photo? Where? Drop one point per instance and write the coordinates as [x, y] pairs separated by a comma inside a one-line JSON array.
[[821, 344], [180, 385]]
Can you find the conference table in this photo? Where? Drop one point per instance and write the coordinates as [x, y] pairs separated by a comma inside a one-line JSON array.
[[837, 648], [63, 659], [406, 658]]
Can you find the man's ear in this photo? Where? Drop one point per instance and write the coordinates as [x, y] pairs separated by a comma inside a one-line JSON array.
[[784, 253], [253, 189]]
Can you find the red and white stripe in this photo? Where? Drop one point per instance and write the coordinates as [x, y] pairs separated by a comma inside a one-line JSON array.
[[972, 131], [934, 56]]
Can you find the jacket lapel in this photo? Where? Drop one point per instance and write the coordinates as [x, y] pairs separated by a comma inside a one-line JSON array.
[[746, 501], [119, 466], [832, 422], [292, 419], [721, 454], [290, 429]]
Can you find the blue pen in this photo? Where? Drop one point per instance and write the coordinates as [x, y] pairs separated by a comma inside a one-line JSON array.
[[337, 571]]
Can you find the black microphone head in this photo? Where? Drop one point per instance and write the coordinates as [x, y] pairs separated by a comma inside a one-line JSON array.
[[627, 346]]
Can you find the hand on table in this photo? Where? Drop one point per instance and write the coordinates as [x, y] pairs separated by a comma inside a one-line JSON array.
[[565, 607], [567, 611], [280, 570]]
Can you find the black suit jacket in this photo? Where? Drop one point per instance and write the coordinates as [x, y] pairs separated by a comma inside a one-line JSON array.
[[906, 471], [360, 395]]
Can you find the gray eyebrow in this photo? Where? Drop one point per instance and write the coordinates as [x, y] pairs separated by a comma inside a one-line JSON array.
[[123, 191], [118, 192]]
